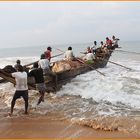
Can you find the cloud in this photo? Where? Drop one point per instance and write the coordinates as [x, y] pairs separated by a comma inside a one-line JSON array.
[[31, 23]]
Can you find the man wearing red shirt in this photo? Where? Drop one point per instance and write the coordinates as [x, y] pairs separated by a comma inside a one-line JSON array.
[[108, 43], [48, 53]]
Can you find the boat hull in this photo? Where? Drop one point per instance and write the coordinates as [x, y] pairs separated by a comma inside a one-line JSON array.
[[63, 77], [66, 76]]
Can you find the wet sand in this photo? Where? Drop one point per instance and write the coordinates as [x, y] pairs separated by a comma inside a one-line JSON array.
[[44, 127]]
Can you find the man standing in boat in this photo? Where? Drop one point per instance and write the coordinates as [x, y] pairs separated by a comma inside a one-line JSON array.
[[69, 54], [37, 73], [108, 43], [21, 88], [115, 42], [48, 53], [93, 49], [102, 45], [88, 50], [44, 63]]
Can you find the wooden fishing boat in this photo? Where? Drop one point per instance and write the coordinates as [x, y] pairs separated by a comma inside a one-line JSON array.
[[77, 67]]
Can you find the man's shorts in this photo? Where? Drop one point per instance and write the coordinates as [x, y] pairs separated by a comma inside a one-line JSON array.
[[21, 93], [41, 87]]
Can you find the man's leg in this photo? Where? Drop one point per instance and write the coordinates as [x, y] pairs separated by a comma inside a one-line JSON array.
[[13, 102], [41, 99], [25, 97], [12, 105]]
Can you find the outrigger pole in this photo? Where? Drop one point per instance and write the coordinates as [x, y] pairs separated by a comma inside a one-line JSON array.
[[127, 52], [120, 65], [81, 61], [6, 76], [117, 63], [89, 66], [38, 60]]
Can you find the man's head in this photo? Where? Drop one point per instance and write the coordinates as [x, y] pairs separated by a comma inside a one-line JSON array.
[[95, 42], [18, 61], [49, 48], [102, 43], [69, 48], [35, 65], [42, 56], [19, 68], [107, 38], [113, 37]]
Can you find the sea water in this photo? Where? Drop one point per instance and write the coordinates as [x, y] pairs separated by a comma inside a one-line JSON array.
[[109, 103]]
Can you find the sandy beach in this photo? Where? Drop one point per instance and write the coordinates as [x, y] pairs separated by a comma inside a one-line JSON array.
[[44, 127], [49, 120]]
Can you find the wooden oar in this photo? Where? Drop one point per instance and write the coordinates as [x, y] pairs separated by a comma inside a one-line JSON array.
[[120, 65], [6, 78], [127, 51], [85, 63], [38, 60]]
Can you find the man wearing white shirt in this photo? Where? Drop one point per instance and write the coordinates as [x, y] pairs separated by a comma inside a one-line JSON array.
[[69, 54], [93, 49], [21, 88], [115, 42], [89, 57], [45, 65]]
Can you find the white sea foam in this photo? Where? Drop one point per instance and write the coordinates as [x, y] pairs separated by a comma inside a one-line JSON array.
[[119, 85], [12, 60], [116, 95]]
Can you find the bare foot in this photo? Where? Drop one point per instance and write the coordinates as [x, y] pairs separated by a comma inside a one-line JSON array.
[[10, 114], [40, 100], [26, 113]]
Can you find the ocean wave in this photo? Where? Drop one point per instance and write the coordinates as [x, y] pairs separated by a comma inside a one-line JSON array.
[[109, 103]]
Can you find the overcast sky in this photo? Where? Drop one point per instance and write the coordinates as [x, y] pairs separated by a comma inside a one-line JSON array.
[[40, 23]]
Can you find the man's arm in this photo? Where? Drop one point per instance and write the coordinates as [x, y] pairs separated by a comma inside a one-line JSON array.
[[13, 74], [30, 74]]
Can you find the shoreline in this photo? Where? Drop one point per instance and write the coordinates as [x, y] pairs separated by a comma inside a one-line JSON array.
[[44, 127], [53, 123]]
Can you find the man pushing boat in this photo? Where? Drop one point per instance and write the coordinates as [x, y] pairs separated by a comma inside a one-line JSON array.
[[21, 88], [37, 73], [45, 65]]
